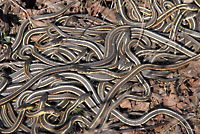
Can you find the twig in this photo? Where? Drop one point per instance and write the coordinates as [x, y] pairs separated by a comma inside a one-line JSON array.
[[29, 17]]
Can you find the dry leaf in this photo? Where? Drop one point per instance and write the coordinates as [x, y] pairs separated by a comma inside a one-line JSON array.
[[48, 3], [191, 81], [187, 1], [39, 2], [170, 100], [125, 104], [170, 76], [197, 129], [193, 70], [173, 91], [187, 101], [35, 38], [177, 130], [181, 71], [92, 8], [158, 118], [109, 15], [125, 127], [168, 126], [193, 89], [181, 105], [194, 99], [183, 87], [158, 129], [174, 107], [157, 97], [127, 133], [141, 106], [96, 8], [156, 88], [150, 123], [196, 84], [37, 23], [137, 88]]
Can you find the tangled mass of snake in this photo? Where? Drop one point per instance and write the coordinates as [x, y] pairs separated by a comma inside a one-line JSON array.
[[74, 76]]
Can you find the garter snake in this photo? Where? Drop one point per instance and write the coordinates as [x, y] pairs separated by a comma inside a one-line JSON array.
[[102, 113], [60, 126], [69, 62]]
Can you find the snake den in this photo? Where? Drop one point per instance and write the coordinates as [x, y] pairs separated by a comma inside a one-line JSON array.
[[100, 66]]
